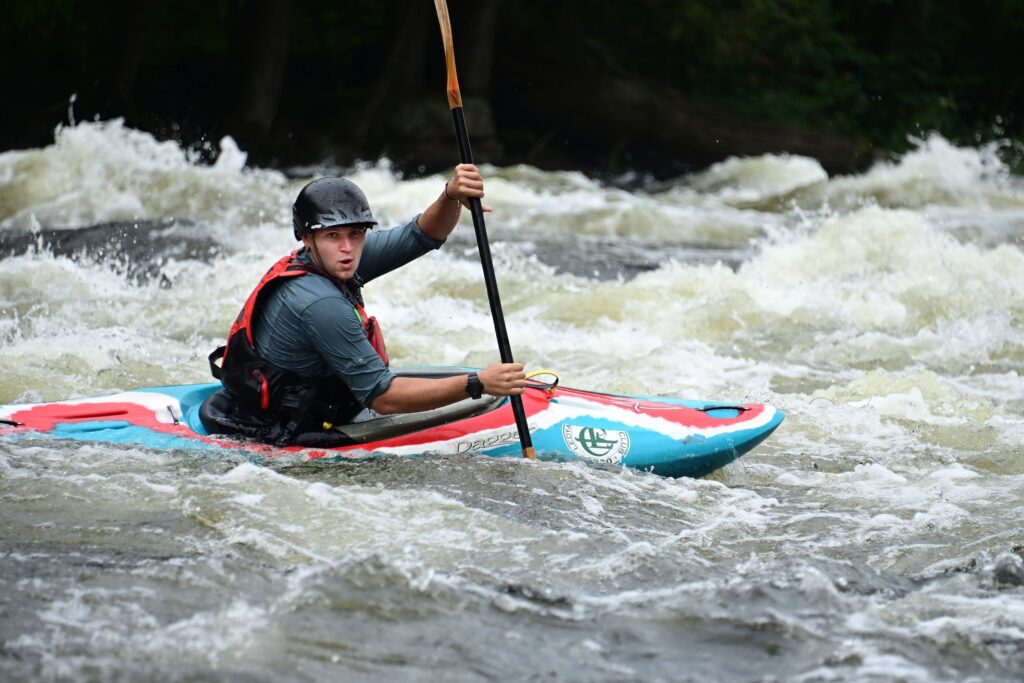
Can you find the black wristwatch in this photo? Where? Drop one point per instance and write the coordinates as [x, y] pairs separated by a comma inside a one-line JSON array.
[[474, 387]]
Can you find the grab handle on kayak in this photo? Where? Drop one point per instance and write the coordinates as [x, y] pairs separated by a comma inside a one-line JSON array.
[[545, 386], [12, 423], [708, 409]]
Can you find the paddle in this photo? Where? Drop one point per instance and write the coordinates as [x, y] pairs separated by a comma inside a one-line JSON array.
[[466, 154]]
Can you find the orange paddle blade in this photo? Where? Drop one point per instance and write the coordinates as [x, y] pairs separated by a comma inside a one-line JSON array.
[[454, 96]]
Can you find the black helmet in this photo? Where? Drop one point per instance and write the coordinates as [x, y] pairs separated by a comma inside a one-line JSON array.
[[330, 202]]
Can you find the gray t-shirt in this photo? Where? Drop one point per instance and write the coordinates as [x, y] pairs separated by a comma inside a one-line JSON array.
[[309, 327]]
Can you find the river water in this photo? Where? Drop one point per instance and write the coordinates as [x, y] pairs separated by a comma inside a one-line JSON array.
[[876, 536]]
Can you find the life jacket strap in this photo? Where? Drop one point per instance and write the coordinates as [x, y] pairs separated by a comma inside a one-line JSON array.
[[216, 370]]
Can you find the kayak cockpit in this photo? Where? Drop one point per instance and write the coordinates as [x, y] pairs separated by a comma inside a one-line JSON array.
[[206, 408]]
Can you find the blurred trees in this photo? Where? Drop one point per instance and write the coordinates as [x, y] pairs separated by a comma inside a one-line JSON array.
[[605, 85]]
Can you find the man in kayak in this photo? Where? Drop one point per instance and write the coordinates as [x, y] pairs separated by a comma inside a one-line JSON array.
[[303, 355]]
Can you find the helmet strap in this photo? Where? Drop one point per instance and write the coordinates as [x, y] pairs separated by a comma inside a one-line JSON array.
[[314, 253]]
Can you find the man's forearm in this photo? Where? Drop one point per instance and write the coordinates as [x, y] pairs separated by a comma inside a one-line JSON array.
[[440, 218], [415, 394]]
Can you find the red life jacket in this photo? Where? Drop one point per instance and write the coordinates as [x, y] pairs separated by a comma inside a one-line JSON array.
[[288, 402]]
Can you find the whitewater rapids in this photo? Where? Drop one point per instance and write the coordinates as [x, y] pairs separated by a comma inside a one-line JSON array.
[[876, 536]]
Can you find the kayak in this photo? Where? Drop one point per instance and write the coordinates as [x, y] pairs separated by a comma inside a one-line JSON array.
[[667, 436]]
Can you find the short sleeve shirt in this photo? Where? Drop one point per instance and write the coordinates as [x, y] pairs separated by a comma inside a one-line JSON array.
[[311, 327]]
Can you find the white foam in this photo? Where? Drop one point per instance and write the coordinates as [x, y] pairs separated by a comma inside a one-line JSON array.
[[935, 172], [103, 171], [755, 179]]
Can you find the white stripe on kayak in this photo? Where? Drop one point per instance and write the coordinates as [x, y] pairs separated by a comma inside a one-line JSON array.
[[576, 408]]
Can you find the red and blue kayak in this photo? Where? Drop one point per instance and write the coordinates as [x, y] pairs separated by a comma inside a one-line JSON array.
[[667, 436]]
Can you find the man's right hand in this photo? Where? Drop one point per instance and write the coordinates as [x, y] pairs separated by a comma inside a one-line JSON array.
[[503, 379]]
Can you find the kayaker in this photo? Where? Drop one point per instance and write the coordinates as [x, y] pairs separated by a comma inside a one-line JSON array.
[[303, 355]]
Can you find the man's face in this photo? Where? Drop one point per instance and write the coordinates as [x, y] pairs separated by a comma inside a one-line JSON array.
[[339, 248]]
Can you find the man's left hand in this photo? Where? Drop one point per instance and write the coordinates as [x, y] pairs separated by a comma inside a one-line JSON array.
[[467, 182]]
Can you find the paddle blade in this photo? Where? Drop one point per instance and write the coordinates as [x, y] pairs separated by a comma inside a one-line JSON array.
[[454, 96]]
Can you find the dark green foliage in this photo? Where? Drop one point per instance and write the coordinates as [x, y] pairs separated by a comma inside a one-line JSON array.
[[871, 71], [875, 70]]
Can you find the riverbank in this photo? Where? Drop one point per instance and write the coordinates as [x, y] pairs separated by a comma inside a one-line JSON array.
[[643, 88]]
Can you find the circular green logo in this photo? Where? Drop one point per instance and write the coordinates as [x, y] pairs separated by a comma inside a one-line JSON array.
[[594, 442], [605, 445]]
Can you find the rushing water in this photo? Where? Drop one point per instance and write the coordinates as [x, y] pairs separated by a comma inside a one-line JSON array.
[[876, 536]]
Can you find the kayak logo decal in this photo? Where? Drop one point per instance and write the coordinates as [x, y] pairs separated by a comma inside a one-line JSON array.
[[493, 440], [594, 443], [498, 439]]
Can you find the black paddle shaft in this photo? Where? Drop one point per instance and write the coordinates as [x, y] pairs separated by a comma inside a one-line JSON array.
[[477, 210]]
